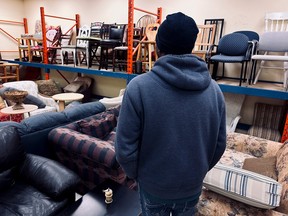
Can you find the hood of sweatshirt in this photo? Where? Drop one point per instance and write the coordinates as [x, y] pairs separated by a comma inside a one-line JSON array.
[[186, 72]]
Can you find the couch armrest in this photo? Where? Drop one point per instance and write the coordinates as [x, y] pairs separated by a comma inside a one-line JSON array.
[[84, 146], [48, 176], [49, 101], [252, 145]]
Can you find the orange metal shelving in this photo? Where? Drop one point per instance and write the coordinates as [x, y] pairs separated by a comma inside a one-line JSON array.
[[130, 31]]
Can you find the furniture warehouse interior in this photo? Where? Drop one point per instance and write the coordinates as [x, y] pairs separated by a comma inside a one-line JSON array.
[[65, 69]]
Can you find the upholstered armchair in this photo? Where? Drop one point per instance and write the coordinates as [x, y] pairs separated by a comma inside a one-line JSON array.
[[32, 88], [31, 184]]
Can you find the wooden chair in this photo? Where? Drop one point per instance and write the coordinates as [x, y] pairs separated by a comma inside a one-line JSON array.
[[276, 21], [219, 26], [28, 46], [145, 46], [204, 40], [81, 46]]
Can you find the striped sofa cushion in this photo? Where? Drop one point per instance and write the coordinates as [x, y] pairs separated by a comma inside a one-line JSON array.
[[245, 186]]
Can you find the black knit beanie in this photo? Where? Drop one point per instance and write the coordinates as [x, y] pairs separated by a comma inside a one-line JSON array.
[[177, 34]]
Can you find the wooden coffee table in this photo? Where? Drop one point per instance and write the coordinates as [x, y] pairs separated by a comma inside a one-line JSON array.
[[62, 97], [125, 202]]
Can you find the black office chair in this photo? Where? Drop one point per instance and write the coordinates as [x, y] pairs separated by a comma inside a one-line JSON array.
[[232, 48]]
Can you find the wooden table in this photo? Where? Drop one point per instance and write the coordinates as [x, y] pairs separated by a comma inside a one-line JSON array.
[[62, 97], [27, 109], [9, 74], [125, 202]]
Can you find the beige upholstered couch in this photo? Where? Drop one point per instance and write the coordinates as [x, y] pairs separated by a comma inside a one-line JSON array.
[[212, 203]]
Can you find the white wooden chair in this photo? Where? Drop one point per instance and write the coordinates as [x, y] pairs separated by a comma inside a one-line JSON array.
[[275, 43], [273, 46], [80, 46]]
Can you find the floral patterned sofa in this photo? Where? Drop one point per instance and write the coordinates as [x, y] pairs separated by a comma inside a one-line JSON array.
[[212, 203]]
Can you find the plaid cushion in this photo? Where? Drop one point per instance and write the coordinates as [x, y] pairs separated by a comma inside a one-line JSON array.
[[245, 186], [98, 128]]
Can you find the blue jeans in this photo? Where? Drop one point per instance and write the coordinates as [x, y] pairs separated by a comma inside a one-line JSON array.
[[157, 207]]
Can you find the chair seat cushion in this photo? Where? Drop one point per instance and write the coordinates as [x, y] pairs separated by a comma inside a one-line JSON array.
[[28, 201], [244, 186], [224, 58]]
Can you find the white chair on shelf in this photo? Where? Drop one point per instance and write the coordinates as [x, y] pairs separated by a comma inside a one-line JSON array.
[[276, 21], [80, 46], [272, 46]]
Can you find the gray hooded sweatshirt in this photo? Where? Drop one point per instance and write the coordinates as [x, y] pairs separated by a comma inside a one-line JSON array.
[[171, 129]]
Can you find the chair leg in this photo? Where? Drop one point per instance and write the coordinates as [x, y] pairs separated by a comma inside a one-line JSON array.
[[258, 73], [223, 69], [241, 74], [62, 56], [215, 70]]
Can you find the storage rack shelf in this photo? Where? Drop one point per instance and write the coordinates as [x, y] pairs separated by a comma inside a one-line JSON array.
[[282, 95]]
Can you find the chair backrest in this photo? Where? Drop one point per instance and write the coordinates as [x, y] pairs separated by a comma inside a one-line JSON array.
[[233, 44], [84, 31], [66, 38], [105, 30], [277, 21], [24, 85], [273, 42], [219, 25], [117, 32], [269, 116], [53, 36], [205, 37], [151, 31], [143, 22], [252, 35], [96, 29]]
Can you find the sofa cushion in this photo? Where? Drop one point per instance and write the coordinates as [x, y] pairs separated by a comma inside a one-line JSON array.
[[75, 113], [244, 186], [48, 87], [263, 166], [234, 158], [98, 128]]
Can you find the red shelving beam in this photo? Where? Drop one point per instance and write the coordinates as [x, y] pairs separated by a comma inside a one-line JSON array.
[[130, 31], [43, 24]]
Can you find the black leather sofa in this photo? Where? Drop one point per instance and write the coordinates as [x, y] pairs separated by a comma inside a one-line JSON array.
[[29, 184]]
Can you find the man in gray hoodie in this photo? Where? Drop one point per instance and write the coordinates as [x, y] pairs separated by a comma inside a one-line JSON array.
[[172, 127]]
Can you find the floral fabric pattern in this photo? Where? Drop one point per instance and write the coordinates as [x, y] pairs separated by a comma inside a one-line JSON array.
[[211, 203]]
